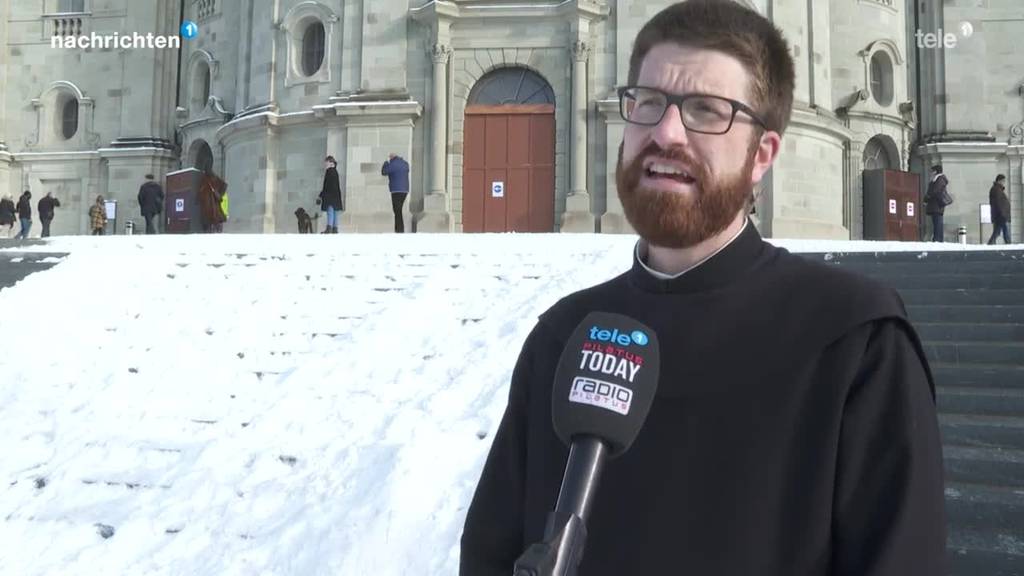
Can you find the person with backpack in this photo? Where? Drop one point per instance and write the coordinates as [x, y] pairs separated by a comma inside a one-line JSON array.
[[936, 200]]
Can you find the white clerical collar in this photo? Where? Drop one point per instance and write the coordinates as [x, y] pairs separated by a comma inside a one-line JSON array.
[[641, 251]]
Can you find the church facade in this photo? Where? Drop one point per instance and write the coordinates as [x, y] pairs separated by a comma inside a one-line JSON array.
[[506, 111]]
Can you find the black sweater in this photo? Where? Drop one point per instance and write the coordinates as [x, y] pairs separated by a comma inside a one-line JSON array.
[[794, 431]]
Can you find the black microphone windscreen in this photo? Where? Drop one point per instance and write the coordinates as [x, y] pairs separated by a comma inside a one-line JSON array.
[[606, 380]]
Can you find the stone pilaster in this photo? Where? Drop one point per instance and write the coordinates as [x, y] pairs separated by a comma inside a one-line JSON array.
[[435, 217], [853, 190], [578, 216]]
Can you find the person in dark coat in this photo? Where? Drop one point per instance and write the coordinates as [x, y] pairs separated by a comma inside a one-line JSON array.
[[151, 202], [1000, 203], [46, 206], [8, 215], [800, 437], [397, 171], [25, 214], [936, 200], [330, 199]]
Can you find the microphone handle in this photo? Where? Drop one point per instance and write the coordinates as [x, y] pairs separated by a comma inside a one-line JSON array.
[[587, 456]]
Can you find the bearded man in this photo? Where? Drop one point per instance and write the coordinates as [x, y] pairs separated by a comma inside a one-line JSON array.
[[794, 427]]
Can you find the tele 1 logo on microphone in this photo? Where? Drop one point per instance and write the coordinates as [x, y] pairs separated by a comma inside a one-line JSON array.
[[636, 337]]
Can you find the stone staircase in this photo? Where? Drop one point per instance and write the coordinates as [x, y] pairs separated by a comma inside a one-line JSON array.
[[968, 307], [15, 266]]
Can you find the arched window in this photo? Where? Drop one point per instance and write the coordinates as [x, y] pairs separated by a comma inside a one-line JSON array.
[[880, 153], [313, 48], [200, 85], [205, 84], [512, 86], [203, 160], [69, 118], [881, 78]]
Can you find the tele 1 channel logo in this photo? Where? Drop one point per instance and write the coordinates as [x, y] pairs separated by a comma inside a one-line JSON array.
[[621, 338]]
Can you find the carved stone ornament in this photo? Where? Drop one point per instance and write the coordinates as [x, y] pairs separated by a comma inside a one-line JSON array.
[[580, 50], [1017, 134], [440, 52]]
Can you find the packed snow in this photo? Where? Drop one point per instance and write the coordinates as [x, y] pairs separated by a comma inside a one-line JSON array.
[[271, 405]]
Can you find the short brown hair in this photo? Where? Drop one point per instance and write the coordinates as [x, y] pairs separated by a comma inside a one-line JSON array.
[[728, 27]]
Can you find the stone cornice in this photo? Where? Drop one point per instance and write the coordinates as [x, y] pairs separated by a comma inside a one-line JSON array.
[[608, 108], [381, 111], [70, 156], [818, 120], [967, 148], [129, 153], [441, 10], [875, 118], [266, 120]]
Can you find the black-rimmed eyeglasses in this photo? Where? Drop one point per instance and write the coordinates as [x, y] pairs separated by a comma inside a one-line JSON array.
[[701, 113]]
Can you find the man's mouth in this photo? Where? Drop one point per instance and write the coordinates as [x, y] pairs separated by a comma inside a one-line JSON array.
[[660, 170]]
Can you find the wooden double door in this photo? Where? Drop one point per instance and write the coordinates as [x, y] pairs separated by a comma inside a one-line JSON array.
[[508, 174], [892, 205]]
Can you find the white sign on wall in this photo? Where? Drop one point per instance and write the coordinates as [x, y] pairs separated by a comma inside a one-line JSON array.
[[892, 206], [498, 189], [986, 213], [110, 206], [179, 204], [910, 209]]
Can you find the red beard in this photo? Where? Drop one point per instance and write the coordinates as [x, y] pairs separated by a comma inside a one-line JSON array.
[[673, 220]]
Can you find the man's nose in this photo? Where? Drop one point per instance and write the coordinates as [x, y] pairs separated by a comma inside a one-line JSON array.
[[670, 132]]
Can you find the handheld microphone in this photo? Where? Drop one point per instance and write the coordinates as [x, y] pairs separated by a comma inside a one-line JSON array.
[[604, 387]]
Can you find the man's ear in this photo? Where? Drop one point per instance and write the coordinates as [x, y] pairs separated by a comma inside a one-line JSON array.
[[765, 153]]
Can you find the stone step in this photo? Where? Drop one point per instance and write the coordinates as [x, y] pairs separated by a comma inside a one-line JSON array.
[[982, 431], [952, 281], [998, 353], [961, 297], [931, 268], [15, 266], [925, 255], [996, 376], [968, 555], [980, 507], [956, 331], [1004, 314], [981, 401], [988, 466]]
